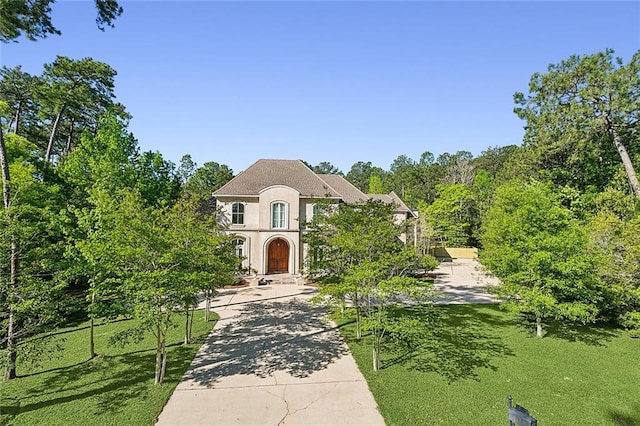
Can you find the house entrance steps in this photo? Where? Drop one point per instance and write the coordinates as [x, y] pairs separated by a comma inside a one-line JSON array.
[[275, 279]]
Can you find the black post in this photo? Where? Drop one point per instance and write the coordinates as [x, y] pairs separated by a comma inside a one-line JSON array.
[[509, 405]]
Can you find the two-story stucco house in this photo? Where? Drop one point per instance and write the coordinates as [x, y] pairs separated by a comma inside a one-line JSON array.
[[264, 206]]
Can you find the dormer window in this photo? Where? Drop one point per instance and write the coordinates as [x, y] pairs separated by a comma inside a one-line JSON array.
[[237, 214]]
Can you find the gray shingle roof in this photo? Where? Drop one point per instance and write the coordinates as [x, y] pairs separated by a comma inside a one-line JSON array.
[[350, 194], [392, 198], [265, 173], [295, 174]]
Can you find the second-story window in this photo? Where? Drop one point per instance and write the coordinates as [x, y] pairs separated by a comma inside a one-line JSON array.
[[278, 215], [237, 213]]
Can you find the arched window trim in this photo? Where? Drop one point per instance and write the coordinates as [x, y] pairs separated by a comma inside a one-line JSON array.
[[279, 217]]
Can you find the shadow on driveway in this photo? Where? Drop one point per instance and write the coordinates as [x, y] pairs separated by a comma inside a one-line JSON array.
[[290, 336]]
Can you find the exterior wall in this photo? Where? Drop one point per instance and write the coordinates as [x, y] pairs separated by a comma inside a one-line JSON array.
[[284, 194], [457, 252], [257, 231]]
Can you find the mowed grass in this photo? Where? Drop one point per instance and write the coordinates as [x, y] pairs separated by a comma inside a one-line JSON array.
[[116, 388], [477, 355]]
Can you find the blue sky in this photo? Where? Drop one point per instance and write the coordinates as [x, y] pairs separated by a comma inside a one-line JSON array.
[[333, 81]]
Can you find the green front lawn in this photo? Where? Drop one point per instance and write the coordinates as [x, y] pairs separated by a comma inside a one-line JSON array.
[[477, 355], [116, 388]]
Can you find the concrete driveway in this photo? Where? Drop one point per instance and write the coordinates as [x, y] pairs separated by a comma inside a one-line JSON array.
[[463, 281], [272, 359]]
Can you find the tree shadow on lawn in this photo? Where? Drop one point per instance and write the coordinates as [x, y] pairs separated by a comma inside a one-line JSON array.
[[625, 419], [460, 341], [290, 336], [91, 379], [589, 334]]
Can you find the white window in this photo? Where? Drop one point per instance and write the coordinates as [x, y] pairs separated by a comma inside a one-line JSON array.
[[318, 210], [278, 215], [237, 213], [238, 246]]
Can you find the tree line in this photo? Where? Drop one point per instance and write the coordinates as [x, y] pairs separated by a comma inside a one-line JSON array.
[[92, 227], [85, 213]]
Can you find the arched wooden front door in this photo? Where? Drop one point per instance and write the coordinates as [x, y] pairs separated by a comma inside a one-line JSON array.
[[278, 256]]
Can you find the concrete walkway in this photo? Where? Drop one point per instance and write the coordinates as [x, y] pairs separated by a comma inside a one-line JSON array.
[[463, 281], [272, 359]]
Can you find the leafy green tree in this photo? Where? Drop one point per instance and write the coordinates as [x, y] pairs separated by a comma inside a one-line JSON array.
[[30, 237], [32, 18], [401, 176], [580, 115], [207, 256], [361, 172], [376, 185], [186, 169], [325, 167], [416, 181], [613, 242], [156, 178], [452, 215], [536, 247], [159, 257], [104, 161], [108, 161], [208, 178], [493, 159], [357, 256]]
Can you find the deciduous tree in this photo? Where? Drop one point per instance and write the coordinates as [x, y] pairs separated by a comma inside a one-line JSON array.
[[30, 238], [357, 256], [537, 249]]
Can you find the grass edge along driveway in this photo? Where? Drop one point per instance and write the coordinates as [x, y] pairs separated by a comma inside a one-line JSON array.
[[115, 388], [476, 355]]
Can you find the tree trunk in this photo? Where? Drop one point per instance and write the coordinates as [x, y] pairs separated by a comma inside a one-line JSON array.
[[158, 357], [163, 368], [10, 371], [376, 357], [358, 327], [52, 136], [626, 161], [207, 308], [191, 313], [161, 359], [186, 328], [16, 128], [4, 166], [538, 326], [92, 344], [69, 138]]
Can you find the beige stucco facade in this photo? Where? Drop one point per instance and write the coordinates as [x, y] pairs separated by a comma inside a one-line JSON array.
[[264, 206], [258, 229]]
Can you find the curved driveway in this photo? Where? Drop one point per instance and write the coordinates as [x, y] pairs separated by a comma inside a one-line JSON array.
[[272, 359]]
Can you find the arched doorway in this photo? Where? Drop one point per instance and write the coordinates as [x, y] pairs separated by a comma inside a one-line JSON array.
[[278, 257]]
